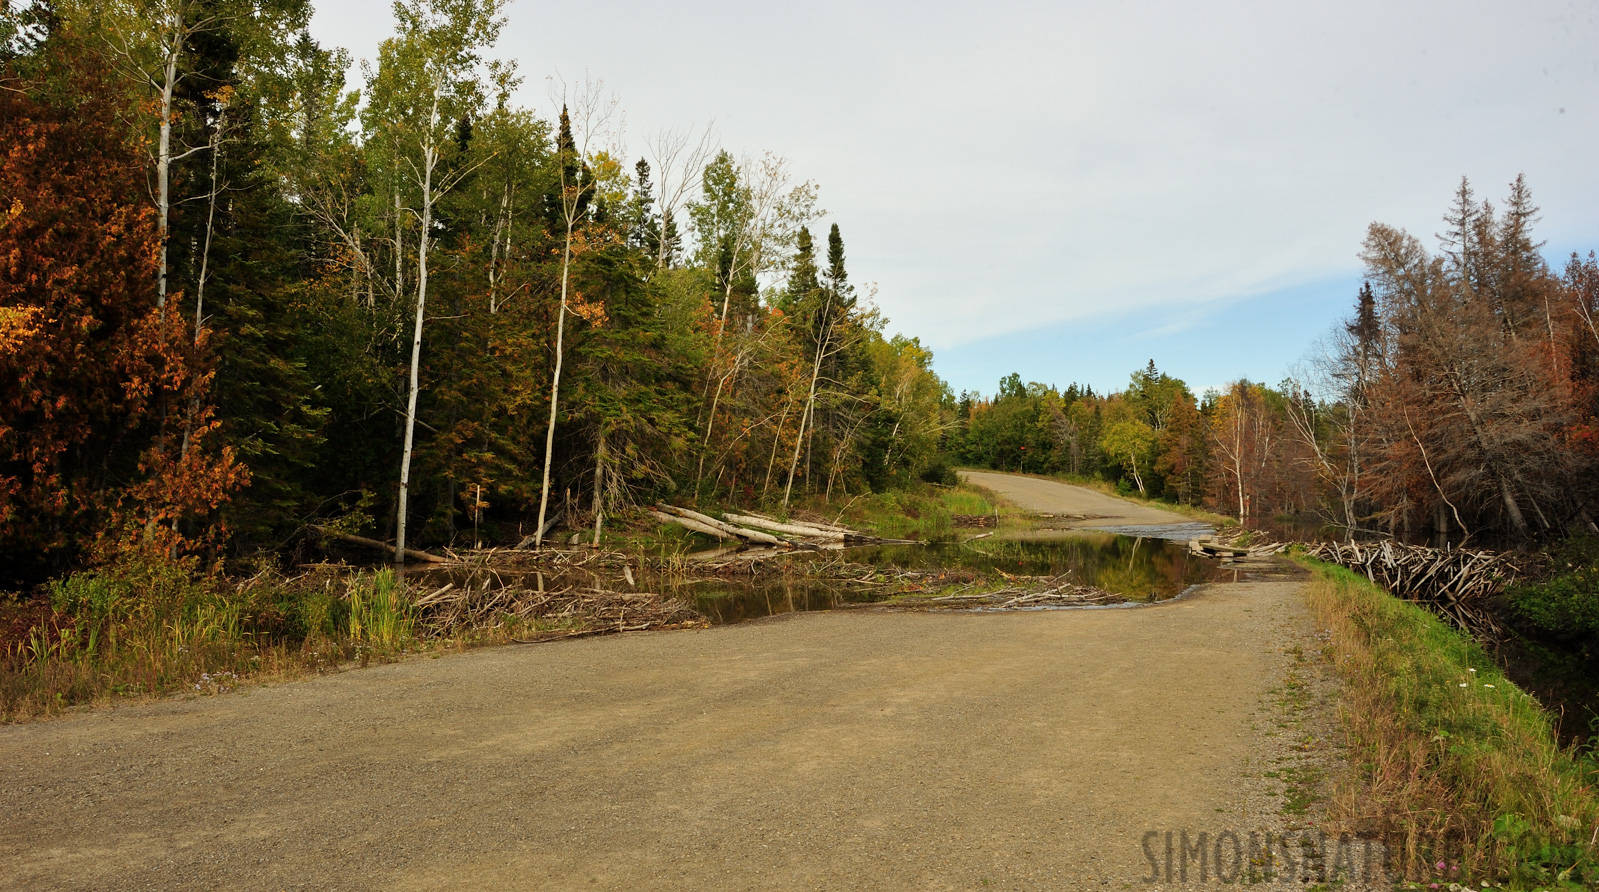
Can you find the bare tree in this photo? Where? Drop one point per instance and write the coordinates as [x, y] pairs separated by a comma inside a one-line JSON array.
[[149, 39], [594, 110], [679, 165]]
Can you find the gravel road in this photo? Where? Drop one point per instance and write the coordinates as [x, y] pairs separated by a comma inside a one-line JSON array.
[[851, 750], [1096, 509]]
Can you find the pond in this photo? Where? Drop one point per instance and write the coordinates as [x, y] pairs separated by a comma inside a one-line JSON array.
[[1141, 570]]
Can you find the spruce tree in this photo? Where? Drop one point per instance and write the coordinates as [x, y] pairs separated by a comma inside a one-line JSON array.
[[803, 278], [837, 277]]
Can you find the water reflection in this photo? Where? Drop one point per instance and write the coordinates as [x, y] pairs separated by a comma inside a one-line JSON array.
[[1139, 569]]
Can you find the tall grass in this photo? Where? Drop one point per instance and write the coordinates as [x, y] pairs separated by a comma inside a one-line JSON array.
[[379, 612], [1460, 771], [145, 626]]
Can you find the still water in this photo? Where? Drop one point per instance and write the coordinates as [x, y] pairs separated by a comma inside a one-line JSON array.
[[1142, 570]]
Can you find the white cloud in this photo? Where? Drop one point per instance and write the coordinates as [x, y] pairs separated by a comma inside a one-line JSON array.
[[1010, 165]]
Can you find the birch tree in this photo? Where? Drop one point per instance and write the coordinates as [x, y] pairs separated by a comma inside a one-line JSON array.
[[576, 196], [430, 77]]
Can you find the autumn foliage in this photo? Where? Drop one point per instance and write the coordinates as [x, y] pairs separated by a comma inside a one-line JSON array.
[[97, 382]]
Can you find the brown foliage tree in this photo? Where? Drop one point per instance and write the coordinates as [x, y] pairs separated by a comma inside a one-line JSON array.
[[89, 368]]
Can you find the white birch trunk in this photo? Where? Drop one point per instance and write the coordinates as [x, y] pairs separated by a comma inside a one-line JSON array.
[[555, 384], [430, 157]]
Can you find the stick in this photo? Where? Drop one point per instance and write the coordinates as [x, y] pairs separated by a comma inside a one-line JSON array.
[[373, 543]]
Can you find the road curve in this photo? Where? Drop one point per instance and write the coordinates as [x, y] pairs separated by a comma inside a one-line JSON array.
[[1091, 509]]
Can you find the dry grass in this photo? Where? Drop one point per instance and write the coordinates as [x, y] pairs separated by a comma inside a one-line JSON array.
[[1460, 772]]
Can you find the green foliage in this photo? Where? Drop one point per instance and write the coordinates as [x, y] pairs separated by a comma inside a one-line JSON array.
[[1130, 443], [145, 625], [1566, 605], [919, 511], [379, 612], [302, 217], [940, 470]]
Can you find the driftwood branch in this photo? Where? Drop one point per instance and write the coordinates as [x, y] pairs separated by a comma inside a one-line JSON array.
[[549, 524], [411, 553]]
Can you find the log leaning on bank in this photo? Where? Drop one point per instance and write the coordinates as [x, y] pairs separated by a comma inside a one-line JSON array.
[[706, 521], [803, 530], [804, 535], [694, 525]]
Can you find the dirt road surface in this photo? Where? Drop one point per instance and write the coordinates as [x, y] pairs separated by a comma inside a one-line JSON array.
[[1096, 510], [851, 750]]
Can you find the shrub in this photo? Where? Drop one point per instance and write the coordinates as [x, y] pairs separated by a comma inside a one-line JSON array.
[[941, 470], [1564, 607]]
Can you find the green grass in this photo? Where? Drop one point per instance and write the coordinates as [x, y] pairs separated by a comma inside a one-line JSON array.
[[145, 626], [923, 511], [1457, 765]]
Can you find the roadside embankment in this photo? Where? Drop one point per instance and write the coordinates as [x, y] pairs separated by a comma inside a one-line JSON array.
[[1461, 772]]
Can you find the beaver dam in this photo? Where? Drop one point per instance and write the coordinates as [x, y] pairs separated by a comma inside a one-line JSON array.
[[565, 593]]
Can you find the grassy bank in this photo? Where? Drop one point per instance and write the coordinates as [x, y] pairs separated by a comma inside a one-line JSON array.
[[923, 511], [1457, 766], [146, 627]]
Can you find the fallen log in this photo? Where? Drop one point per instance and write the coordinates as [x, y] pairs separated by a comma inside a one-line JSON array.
[[528, 541], [1212, 548], [804, 530], [691, 524], [412, 553], [818, 524], [738, 532]]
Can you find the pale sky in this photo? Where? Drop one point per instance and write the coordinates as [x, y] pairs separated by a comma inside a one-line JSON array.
[[1067, 190]]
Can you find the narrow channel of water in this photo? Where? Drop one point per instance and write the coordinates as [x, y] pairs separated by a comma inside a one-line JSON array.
[[1142, 570]]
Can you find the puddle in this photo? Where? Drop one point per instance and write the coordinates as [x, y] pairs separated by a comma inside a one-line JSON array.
[[1137, 569], [1140, 569]]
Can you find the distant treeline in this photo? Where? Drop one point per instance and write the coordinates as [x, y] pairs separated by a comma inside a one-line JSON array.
[[1459, 401]]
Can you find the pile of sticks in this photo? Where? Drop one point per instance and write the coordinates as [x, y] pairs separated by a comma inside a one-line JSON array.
[[1061, 594], [1217, 547], [580, 611], [758, 529], [1455, 584], [978, 521]]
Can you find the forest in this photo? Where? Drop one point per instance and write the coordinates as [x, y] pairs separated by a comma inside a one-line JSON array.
[[241, 296], [1459, 403]]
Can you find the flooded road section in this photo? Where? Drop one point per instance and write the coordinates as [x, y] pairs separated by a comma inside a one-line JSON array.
[[1141, 570]]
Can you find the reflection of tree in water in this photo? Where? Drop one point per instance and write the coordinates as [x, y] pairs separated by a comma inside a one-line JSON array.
[[1135, 567]]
